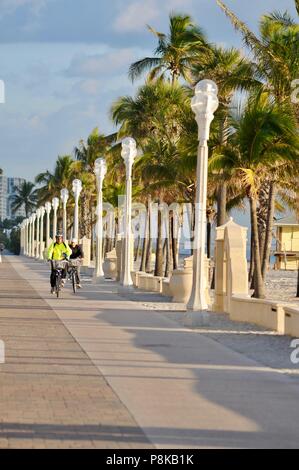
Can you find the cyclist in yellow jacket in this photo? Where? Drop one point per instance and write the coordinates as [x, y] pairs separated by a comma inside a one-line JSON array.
[[58, 251]]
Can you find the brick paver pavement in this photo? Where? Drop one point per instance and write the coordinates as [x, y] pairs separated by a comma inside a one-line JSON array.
[[51, 394]]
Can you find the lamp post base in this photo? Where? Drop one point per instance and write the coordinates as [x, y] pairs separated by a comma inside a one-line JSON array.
[[198, 299], [121, 289], [98, 278], [194, 319]]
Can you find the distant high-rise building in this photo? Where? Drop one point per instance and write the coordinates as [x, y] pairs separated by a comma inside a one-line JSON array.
[[7, 190], [3, 197]]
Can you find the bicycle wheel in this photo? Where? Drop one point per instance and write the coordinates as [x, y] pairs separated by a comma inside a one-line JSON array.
[[74, 281], [58, 283]]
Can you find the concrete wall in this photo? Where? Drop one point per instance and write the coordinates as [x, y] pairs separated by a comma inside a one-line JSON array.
[[292, 321], [232, 294], [272, 315], [260, 312]]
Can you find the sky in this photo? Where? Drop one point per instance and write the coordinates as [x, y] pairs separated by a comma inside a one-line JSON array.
[[64, 62]]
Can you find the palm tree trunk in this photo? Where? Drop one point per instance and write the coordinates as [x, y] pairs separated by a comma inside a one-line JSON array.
[[143, 254], [91, 204], [222, 190], [166, 257], [111, 231], [106, 240], [159, 246], [168, 264], [268, 235], [259, 286], [145, 242], [209, 231], [116, 230], [192, 227], [262, 240], [137, 249], [251, 266], [221, 204], [174, 243], [148, 261]]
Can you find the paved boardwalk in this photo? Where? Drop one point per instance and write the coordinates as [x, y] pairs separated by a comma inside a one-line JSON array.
[[98, 370], [51, 394]]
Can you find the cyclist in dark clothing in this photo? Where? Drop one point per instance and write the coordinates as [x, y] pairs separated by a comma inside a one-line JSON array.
[[77, 253]]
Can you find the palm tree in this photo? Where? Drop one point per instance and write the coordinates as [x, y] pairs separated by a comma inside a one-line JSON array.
[[232, 73], [25, 196], [155, 119], [86, 153], [97, 145], [156, 110], [276, 55], [276, 52], [52, 183], [265, 138], [157, 169], [175, 52]]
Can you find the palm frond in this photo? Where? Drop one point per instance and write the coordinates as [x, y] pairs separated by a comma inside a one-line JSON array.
[[142, 66], [250, 39]]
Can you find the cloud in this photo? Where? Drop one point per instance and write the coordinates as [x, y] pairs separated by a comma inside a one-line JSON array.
[[136, 15], [93, 87], [90, 66], [10, 6]]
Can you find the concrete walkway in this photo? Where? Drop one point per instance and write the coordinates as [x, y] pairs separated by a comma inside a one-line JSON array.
[[97, 370]]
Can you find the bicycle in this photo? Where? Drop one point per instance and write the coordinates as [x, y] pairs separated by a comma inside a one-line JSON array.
[[73, 266], [58, 267]]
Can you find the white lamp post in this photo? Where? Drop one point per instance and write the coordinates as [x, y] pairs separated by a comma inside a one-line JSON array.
[[204, 104], [129, 153], [22, 238], [48, 207], [77, 188], [41, 242], [30, 236], [55, 205], [38, 214], [33, 236], [64, 195], [26, 236], [100, 171]]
